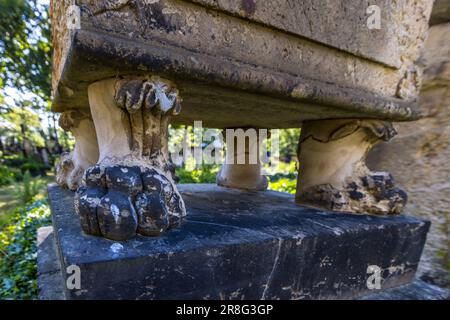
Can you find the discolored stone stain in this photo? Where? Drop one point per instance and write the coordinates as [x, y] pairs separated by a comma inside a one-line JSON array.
[[249, 7], [155, 18]]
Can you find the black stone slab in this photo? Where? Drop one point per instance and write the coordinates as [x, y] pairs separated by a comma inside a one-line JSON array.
[[241, 245], [49, 278], [50, 281]]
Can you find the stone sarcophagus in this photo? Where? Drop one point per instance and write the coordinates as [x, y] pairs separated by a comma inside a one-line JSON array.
[[123, 70], [340, 70]]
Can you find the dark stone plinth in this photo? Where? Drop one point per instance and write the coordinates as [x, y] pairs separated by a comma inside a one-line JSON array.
[[50, 282], [241, 245]]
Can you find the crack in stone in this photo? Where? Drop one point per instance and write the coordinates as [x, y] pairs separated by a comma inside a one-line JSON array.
[[275, 263]]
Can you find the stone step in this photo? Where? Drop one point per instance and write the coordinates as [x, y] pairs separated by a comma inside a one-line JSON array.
[[242, 245], [51, 285]]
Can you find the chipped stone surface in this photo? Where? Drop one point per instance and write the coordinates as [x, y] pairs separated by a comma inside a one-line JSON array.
[[419, 157], [242, 245], [50, 280], [333, 174], [275, 78], [117, 204]]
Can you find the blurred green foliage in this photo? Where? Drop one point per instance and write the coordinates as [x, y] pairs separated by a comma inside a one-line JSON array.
[[9, 175], [283, 185], [18, 251], [283, 178], [30, 187], [205, 174], [25, 46], [13, 168]]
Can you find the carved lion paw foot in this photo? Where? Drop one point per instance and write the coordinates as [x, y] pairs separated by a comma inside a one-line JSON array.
[[119, 201], [134, 94], [374, 193], [68, 173], [381, 187]]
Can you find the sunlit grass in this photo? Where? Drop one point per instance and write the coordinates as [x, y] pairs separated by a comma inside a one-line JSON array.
[[11, 196]]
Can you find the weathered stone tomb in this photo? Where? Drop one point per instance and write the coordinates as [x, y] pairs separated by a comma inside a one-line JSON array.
[[124, 69]]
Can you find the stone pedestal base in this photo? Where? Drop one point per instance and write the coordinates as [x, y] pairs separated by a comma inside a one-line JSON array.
[[241, 245], [50, 281]]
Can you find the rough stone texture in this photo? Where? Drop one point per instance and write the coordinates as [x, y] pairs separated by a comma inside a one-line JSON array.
[[242, 245], [220, 62], [419, 157], [333, 174], [321, 21], [50, 281]]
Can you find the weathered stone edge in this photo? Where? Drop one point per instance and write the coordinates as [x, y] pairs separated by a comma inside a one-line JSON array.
[[50, 279], [120, 55], [404, 278]]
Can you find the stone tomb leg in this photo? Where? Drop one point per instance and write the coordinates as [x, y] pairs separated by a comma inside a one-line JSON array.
[[333, 174], [131, 189], [242, 169], [70, 169]]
